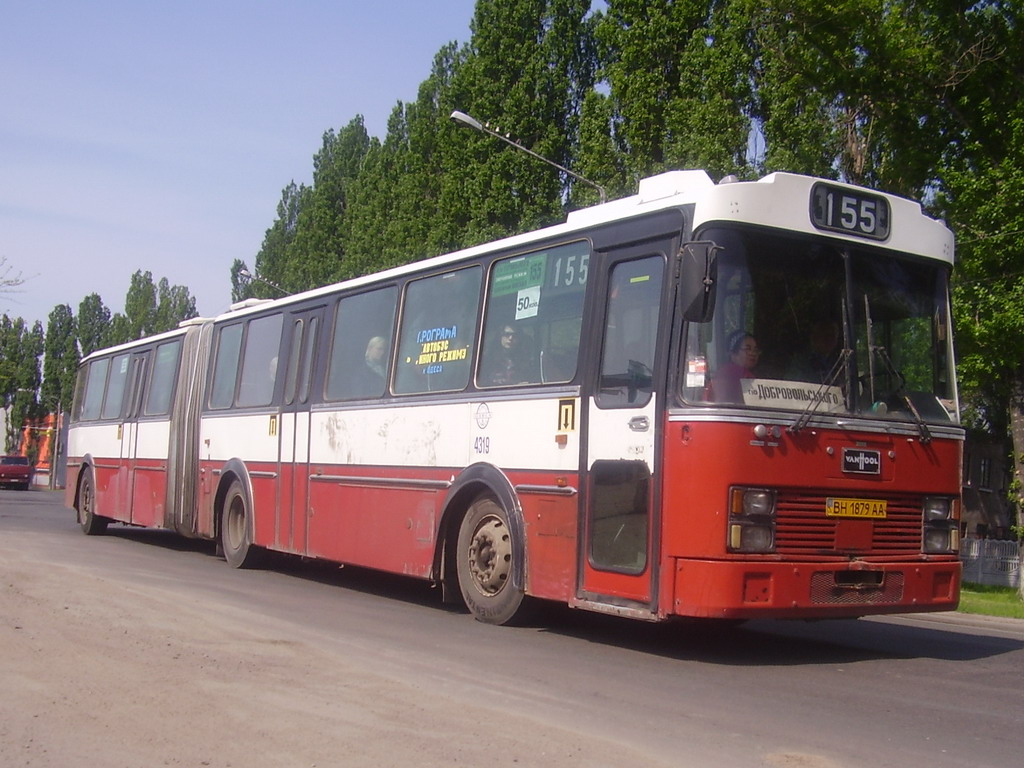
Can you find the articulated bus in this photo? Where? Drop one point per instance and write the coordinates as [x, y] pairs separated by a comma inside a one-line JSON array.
[[725, 400]]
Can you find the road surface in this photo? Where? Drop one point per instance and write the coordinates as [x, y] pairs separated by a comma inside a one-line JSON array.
[[139, 648]]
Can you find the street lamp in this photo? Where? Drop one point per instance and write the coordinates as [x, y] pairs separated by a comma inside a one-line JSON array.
[[250, 276], [476, 125]]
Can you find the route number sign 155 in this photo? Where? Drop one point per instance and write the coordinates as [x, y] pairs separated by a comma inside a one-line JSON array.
[[838, 209]]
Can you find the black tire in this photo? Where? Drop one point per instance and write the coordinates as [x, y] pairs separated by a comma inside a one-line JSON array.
[[236, 530], [486, 556], [92, 524]]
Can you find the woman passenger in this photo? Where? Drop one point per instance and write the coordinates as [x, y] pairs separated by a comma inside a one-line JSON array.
[[727, 383]]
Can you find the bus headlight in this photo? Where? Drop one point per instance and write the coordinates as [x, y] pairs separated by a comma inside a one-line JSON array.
[[937, 540], [937, 508], [941, 517], [751, 520]]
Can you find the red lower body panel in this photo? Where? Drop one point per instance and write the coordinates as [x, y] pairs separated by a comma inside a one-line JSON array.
[[748, 590]]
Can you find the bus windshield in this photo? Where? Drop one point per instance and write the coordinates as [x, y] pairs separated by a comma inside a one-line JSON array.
[[823, 327]]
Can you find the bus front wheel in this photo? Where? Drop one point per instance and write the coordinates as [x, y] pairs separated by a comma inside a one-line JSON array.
[[486, 556], [236, 530], [92, 524]]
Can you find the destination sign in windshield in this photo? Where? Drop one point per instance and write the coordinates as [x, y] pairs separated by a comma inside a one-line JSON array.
[[774, 393]]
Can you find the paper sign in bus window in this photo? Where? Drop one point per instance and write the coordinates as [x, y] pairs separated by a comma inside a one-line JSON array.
[[528, 302]]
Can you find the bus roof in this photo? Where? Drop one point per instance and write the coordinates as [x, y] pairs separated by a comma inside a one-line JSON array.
[[129, 345], [768, 202]]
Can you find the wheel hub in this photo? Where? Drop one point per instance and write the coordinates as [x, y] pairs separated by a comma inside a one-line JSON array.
[[490, 556]]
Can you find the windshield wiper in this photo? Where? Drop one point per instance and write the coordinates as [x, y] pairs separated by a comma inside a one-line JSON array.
[[829, 380], [901, 392], [840, 366], [898, 380]]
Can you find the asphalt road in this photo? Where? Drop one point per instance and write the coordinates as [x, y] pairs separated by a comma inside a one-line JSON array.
[[574, 689]]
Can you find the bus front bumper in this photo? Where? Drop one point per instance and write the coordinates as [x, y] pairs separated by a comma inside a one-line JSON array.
[[813, 590]]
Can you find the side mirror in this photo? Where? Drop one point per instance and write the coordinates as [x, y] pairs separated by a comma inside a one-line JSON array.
[[698, 265]]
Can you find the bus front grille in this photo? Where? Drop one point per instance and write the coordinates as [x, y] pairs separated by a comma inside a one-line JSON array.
[[803, 529]]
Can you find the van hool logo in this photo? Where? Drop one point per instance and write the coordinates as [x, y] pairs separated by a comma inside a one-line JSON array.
[[862, 461]]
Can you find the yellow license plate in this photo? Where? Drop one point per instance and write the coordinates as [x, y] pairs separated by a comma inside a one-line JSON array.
[[870, 508]]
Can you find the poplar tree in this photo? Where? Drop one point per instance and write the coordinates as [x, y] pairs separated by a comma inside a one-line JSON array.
[[272, 260], [20, 350], [93, 324], [316, 255], [60, 362], [149, 308], [140, 306], [394, 213], [526, 74], [174, 303], [679, 80]]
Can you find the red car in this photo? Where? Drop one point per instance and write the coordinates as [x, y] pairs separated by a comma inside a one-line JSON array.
[[15, 472]]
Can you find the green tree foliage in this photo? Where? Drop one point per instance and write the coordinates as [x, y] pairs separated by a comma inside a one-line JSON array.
[[315, 256], [394, 210], [982, 186], [60, 361], [11, 332], [140, 305], [679, 75], [430, 186], [860, 88], [274, 255], [20, 350], [93, 324], [174, 303], [149, 308], [120, 330], [528, 69], [242, 287]]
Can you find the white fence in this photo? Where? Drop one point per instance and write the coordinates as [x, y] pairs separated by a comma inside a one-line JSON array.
[[996, 563]]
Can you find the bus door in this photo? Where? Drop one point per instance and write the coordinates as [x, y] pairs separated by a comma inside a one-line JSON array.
[[134, 387], [618, 558], [293, 462]]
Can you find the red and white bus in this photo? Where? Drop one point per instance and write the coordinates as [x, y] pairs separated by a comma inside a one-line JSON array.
[[731, 400]]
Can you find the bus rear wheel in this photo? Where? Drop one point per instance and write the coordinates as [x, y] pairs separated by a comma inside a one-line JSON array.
[[236, 527], [91, 523], [486, 557]]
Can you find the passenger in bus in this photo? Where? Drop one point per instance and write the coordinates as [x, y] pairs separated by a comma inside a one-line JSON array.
[[514, 363], [376, 352], [368, 380], [816, 362], [727, 383]]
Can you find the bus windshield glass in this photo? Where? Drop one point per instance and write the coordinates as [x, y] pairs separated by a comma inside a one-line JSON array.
[[817, 327]]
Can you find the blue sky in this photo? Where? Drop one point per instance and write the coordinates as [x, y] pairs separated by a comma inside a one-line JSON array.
[[159, 135]]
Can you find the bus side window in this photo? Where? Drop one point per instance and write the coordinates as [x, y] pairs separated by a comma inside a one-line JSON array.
[[260, 361], [533, 317], [97, 379], [438, 333], [631, 331], [161, 382], [115, 388], [225, 367], [361, 346]]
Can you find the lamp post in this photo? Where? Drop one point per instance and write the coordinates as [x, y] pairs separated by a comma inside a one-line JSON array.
[[476, 125], [250, 276]]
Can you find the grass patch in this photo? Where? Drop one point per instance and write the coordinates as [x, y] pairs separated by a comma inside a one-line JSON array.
[[991, 601]]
